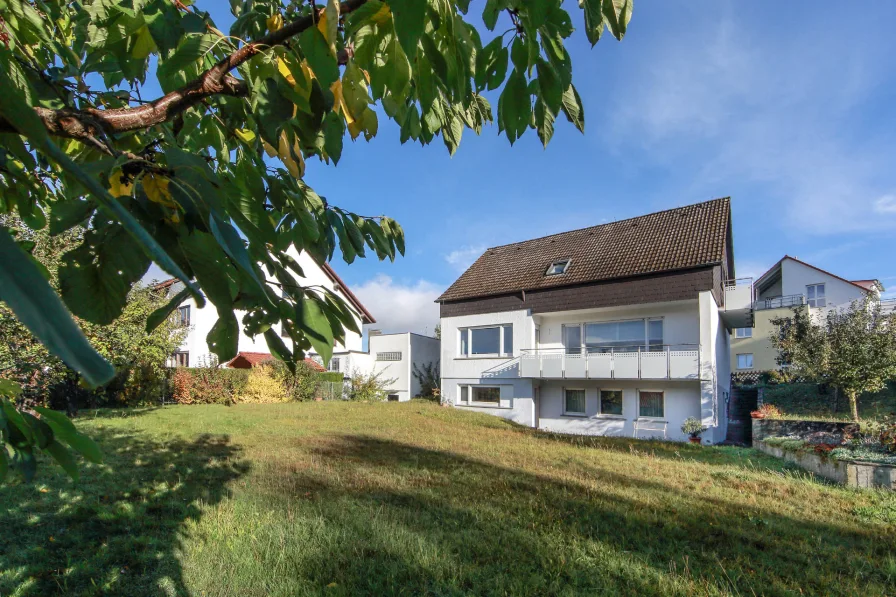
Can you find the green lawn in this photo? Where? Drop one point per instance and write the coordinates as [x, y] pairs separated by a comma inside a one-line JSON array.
[[411, 499]]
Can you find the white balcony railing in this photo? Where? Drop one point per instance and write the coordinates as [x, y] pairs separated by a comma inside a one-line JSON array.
[[669, 361], [738, 294]]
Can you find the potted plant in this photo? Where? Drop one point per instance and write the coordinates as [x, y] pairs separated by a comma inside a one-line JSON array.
[[693, 427]]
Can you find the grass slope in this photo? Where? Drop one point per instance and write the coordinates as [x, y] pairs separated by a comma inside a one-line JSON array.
[[411, 499]]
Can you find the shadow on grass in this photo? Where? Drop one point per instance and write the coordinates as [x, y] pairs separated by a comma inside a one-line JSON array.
[[454, 525], [119, 529]]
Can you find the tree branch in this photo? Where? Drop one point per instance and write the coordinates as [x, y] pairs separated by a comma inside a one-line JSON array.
[[90, 123]]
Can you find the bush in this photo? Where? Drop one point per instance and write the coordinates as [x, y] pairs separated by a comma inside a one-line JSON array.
[[263, 387], [767, 411], [302, 385], [368, 387], [429, 377], [207, 385], [888, 439]]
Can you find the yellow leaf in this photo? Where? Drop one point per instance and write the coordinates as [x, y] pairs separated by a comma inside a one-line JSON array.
[[328, 24], [339, 102], [275, 22], [156, 189], [291, 156], [245, 135], [382, 15], [269, 149], [284, 70], [144, 45], [119, 188]]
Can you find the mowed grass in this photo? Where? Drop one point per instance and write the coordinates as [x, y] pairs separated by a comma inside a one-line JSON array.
[[414, 499]]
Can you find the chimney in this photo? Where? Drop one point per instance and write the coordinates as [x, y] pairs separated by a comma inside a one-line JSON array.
[[372, 333]]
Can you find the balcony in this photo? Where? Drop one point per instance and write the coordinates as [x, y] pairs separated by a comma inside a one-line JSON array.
[[737, 310], [780, 302], [679, 361]]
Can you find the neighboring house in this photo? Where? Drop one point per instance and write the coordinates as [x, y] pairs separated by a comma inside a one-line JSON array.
[[787, 284], [194, 351], [617, 329], [394, 356]]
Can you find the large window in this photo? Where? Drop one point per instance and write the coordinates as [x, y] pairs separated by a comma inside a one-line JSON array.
[[487, 341], [610, 402], [815, 295], [574, 402], [743, 333], [619, 336], [183, 315], [651, 405], [335, 364], [179, 359], [488, 395], [745, 361]]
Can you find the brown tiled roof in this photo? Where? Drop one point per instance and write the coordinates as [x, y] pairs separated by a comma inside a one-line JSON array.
[[680, 238]]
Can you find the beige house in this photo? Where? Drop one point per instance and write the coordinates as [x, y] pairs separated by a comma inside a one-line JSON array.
[[790, 284]]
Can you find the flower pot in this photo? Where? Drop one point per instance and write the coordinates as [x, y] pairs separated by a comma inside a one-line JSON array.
[[694, 440]]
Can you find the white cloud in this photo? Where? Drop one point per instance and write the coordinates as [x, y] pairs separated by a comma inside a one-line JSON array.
[[886, 205], [399, 307], [461, 259], [762, 107]]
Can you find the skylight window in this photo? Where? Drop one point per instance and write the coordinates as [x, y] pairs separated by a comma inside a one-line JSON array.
[[558, 267]]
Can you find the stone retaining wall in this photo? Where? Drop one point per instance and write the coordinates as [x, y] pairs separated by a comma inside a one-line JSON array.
[[815, 432], [845, 472]]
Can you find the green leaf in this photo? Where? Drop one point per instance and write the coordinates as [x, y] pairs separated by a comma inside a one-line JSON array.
[[212, 268], [4, 463], [491, 11], [273, 110], [15, 419], [41, 432], [537, 12], [519, 54], [544, 123], [10, 388], [64, 430], [549, 85], [317, 52], [224, 336], [334, 132], [277, 347], [35, 304], [360, 17], [96, 277], [234, 246], [514, 106], [24, 460], [573, 108], [64, 458], [410, 19], [68, 213], [190, 49], [312, 320], [156, 318], [617, 13], [594, 19], [14, 103]]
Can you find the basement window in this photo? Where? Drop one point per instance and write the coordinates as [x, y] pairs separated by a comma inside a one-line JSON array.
[[557, 267]]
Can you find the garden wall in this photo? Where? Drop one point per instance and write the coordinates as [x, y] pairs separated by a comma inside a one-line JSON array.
[[851, 473], [811, 431]]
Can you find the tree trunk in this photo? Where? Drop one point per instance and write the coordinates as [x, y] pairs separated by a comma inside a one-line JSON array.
[[854, 404]]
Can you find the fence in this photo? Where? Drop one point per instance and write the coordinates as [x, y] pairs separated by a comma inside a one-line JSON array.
[[330, 390]]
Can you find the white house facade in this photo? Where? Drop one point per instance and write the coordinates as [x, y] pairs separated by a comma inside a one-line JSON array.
[[394, 357], [621, 329], [194, 351]]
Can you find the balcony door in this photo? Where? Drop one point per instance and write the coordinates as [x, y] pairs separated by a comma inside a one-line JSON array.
[[615, 336]]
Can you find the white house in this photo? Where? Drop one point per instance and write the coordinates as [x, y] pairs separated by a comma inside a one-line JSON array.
[[618, 329], [395, 357], [195, 351], [787, 284]]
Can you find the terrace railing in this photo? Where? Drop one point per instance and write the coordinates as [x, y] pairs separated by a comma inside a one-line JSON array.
[[667, 361]]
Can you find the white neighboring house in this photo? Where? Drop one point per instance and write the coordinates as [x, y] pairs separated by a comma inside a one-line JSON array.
[[394, 356], [619, 329], [194, 351]]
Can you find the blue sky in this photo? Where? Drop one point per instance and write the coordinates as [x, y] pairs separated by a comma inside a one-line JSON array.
[[785, 107]]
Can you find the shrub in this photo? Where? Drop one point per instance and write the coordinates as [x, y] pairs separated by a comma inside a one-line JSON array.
[[263, 387], [693, 427], [767, 411], [888, 438], [368, 387], [207, 385], [299, 386], [429, 377]]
